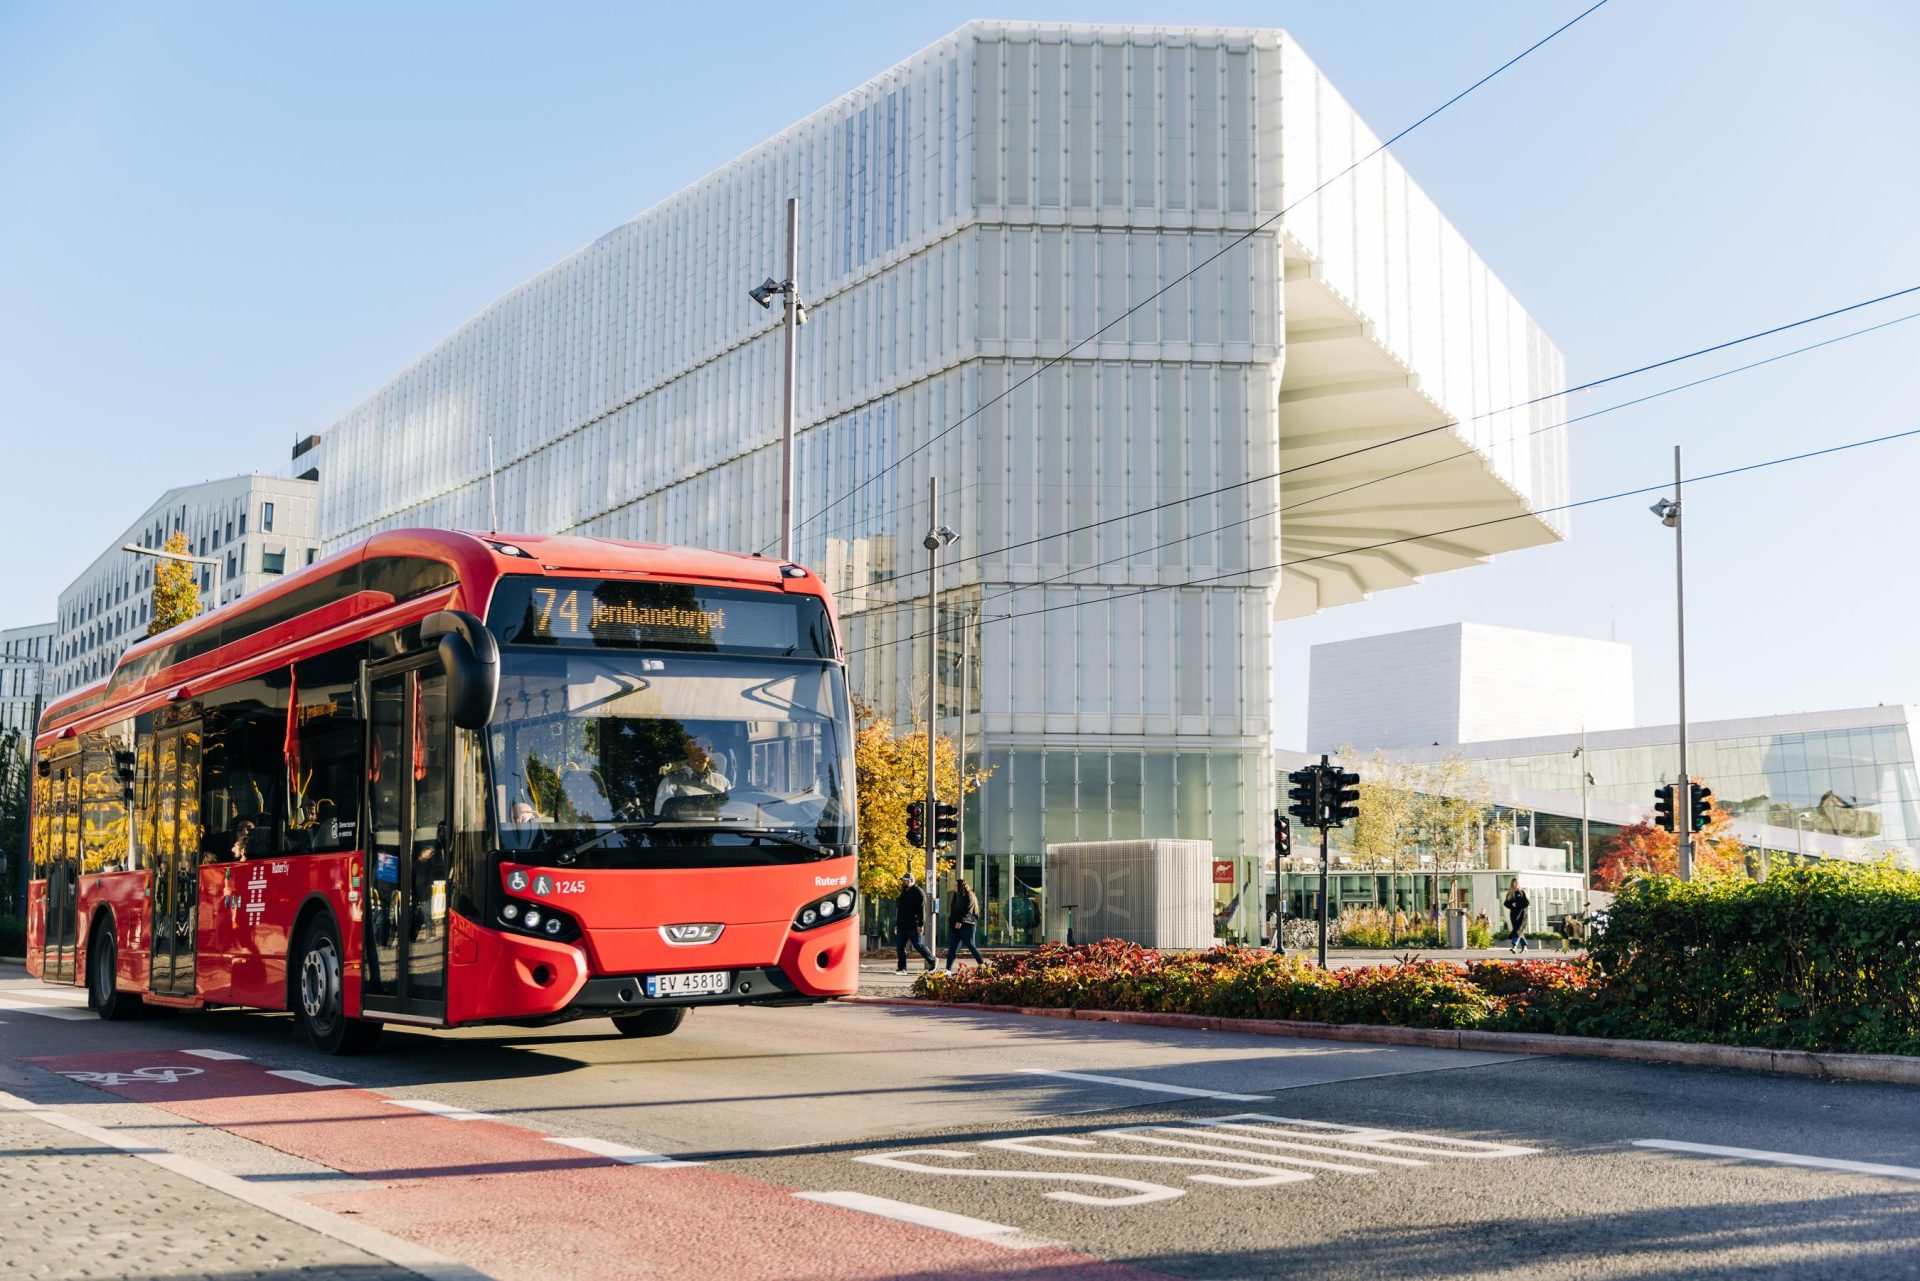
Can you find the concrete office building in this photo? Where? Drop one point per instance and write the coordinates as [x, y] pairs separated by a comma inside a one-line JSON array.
[[258, 526], [1013, 195], [1463, 683], [25, 655]]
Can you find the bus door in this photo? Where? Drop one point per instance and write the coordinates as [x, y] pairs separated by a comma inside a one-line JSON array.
[[62, 870], [405, 971], [175, 865]]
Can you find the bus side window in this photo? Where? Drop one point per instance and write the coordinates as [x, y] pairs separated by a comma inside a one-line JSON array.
[[242, 771], [324, 774]]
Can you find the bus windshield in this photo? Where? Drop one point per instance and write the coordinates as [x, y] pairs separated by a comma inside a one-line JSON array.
[[636, 759]]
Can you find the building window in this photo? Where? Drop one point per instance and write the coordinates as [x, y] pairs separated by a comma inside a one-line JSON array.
[[243, 524], [229, 531], [266, 517], [273, 562]]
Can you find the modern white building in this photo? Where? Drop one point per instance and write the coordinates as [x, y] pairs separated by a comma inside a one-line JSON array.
[[1183, 375], [257, 526], [25, 658], [1463, 683]]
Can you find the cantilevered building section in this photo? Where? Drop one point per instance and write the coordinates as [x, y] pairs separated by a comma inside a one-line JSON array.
[[968, 216]]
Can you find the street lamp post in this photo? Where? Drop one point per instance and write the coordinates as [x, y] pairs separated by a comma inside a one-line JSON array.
[[1586, 781], [161, 553], [795, 316], [937, 537], [1668, 510]]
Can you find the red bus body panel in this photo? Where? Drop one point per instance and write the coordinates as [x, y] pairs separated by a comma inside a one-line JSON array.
[[247, 911]]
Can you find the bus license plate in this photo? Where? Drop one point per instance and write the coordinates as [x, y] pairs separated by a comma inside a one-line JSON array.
[[709, 983]]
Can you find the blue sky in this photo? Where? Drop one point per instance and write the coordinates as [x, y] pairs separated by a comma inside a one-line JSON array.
[[222, 225]]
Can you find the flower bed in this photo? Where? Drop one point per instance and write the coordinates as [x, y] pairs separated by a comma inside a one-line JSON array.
[[1237, 982]]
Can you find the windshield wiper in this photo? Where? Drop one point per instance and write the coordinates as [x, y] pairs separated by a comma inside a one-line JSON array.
[[695, 825], [741, 829]]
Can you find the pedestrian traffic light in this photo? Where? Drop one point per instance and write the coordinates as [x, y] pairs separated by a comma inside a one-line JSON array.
[[1702, 806], [946, 823], [1346, 797], [1663, 808], [917, 824], [1282, 836], [1306, 795]]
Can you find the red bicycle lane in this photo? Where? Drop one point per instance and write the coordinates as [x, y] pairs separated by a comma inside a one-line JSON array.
[[516, 1204]]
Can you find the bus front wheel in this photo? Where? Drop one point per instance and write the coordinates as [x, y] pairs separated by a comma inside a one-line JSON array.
[[103, 987], [318, 1005], [650, 1022]]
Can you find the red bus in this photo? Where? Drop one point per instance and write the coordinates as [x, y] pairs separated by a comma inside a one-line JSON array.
[[449, 778]]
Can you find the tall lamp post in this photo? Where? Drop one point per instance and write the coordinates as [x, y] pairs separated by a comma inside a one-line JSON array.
[[938, 536], [796, 316], [161, 553], [1668, 510], [1586, 781]]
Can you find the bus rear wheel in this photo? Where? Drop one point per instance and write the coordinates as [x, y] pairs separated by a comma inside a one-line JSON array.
[[651, 1022], [318, 1004], [103, 986]]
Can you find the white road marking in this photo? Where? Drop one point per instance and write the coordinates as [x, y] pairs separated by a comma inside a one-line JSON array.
[[1264, 1176], [44, 1010], [1783, 1158], [1428, 1145], [217, 1055], [447, 1110], [623, 1154], [1152, 1086], [1184, 1141], [68, 995], [405, 1254], [1136, 1191], [923, 1216], [304, 1078]]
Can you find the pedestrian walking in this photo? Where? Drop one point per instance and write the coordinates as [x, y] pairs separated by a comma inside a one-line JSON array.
[[965, 917], [1516, 902], [909, 918]]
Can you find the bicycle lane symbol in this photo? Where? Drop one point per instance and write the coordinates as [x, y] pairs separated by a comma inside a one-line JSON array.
[[138, 1076]]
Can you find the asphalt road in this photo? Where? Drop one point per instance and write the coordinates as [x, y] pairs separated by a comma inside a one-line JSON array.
[[1057, 1144]]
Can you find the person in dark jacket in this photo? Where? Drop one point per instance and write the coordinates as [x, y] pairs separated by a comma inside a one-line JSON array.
[[1516, 902], [965, 919], [909, 918]]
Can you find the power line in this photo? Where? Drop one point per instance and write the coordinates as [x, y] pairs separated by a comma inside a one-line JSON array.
[[1181, 279], [1283, 509], [1456, 422], [1410, 538]]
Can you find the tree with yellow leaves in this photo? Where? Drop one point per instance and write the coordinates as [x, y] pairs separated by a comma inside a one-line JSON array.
[[891, 772], [176, 595]]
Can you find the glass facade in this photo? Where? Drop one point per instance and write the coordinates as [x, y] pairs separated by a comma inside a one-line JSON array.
[[1857, 782]]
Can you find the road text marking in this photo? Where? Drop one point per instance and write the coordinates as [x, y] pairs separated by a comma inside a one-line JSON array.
[[1783, 1158], [922, 1216], [622, 1153], [1153, 1086], [305, 1078]]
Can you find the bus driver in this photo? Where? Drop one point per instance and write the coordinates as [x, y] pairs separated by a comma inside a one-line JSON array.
[[697, 776]]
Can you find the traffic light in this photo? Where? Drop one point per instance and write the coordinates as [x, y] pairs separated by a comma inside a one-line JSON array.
[[1282, 836], [1306, 793], [1702, 806], [1663, 808], [1346, 797], [946, 823], [917, 824]]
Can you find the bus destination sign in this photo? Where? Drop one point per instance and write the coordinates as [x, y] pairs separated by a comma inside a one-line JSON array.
[[621, 613]]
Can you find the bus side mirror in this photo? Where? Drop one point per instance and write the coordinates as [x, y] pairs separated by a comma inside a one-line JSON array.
[[471, 660]]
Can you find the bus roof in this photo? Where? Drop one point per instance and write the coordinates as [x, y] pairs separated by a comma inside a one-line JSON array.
[[467, 564]]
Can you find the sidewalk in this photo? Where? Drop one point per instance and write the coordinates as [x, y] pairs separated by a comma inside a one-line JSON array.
[[73, 1208]]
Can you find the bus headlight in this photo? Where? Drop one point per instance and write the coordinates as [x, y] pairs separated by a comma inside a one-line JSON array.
[[537, 919], [825, 911]]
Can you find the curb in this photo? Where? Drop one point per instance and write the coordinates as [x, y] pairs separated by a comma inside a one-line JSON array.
[[1888, 1069]]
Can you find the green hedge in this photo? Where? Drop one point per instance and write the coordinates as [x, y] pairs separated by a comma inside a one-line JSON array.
[[13, 936], [1823, 957]]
